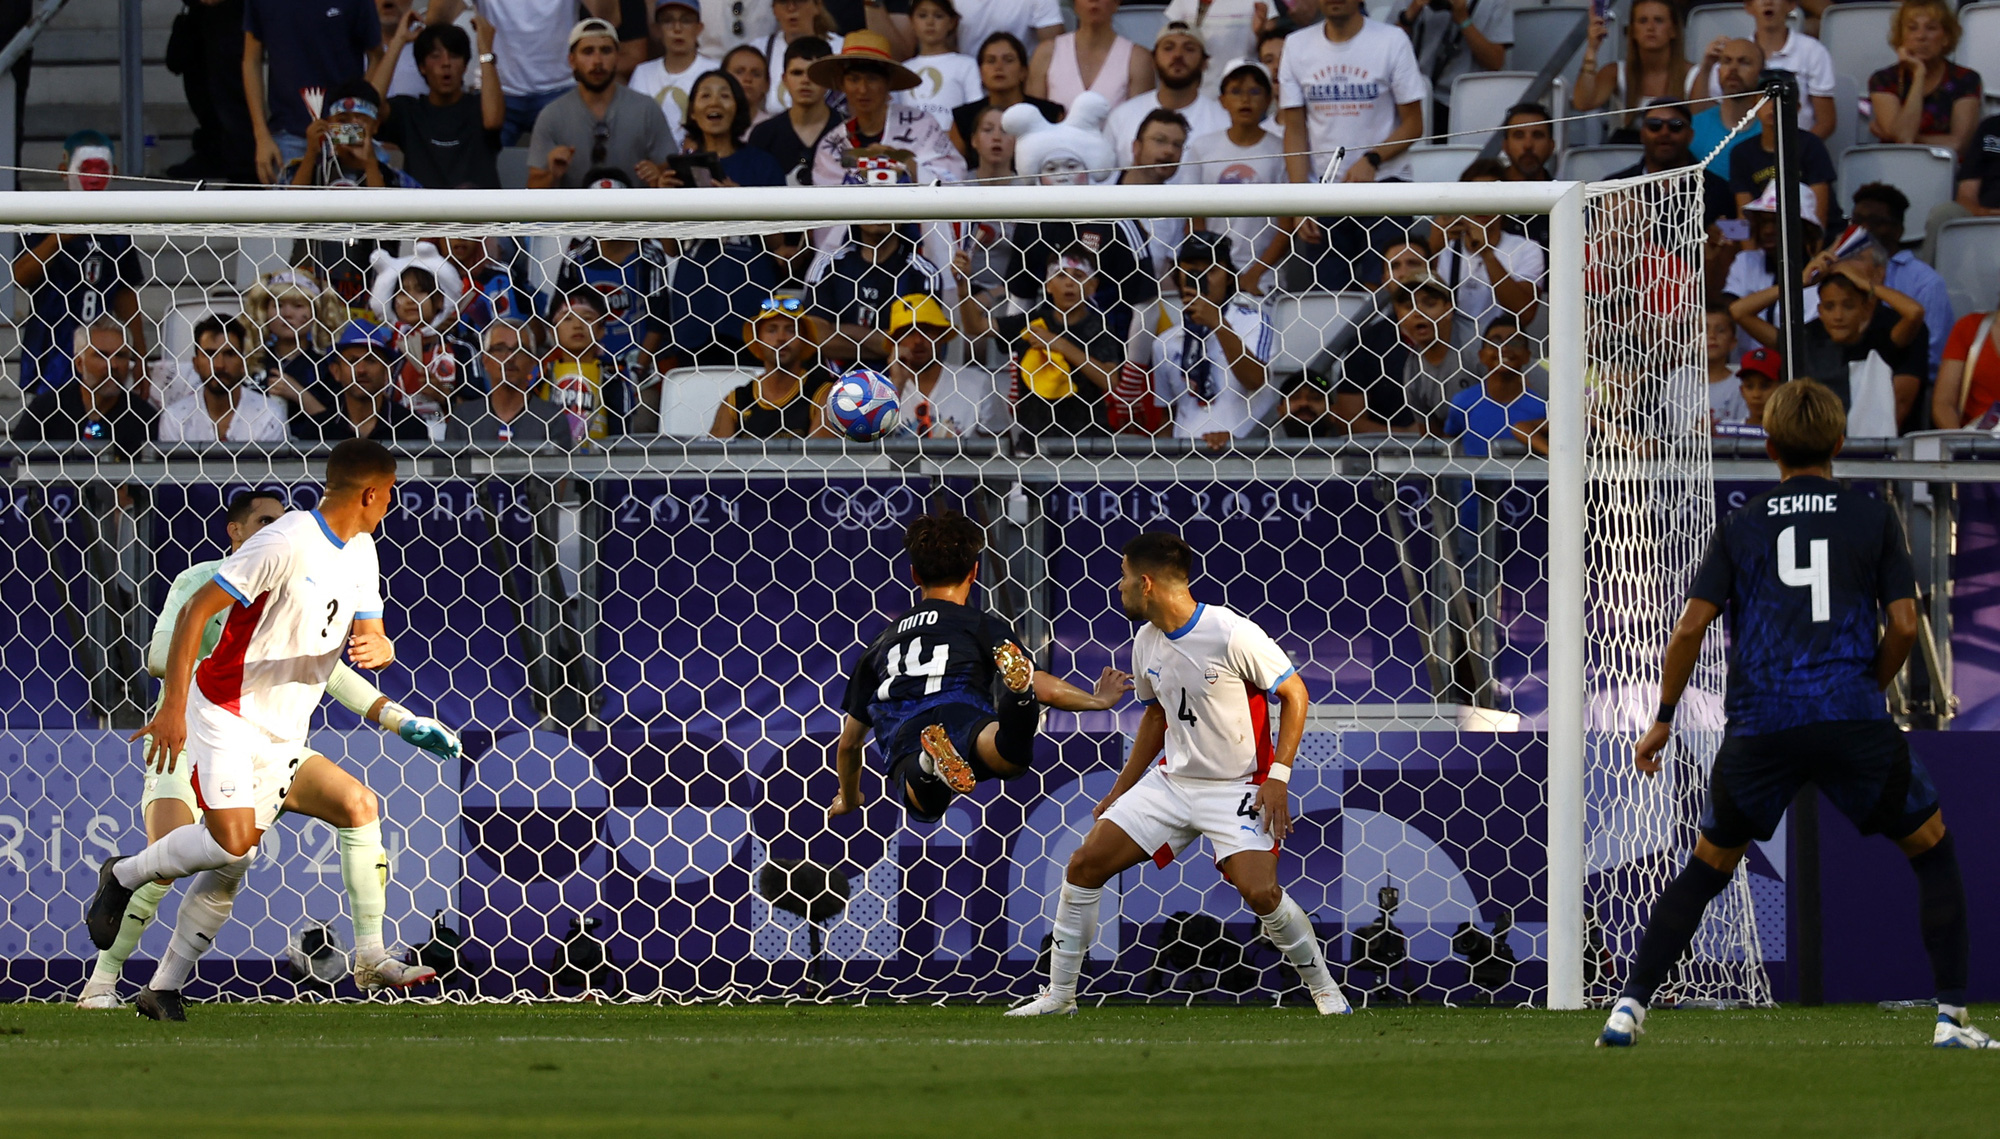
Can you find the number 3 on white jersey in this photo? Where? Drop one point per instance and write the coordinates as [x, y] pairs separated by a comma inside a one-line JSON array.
[[1812, 575]]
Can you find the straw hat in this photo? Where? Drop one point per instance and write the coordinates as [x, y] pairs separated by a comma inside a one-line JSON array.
[[867, 47]]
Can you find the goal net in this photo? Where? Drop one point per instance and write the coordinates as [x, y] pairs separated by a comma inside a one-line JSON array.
[[1447, 446]]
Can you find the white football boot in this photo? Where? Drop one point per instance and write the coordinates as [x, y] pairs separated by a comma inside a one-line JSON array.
[[100, 995], [1627, 1024], [389, 973], [1952, 1033], [1332, 1002], [1046, 1004]]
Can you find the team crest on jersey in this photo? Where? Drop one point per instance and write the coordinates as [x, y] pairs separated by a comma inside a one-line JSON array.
[[1211, 674], [227, 788]]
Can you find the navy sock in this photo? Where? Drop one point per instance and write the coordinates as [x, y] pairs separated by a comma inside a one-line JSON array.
[[1941, 909], [1019, 714], [1671, 928]]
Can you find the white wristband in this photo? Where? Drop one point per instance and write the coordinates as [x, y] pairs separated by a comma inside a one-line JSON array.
[[393, 716], [1282, 772]]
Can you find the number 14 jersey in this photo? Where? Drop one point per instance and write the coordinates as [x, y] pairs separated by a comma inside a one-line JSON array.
[[938, 653], [1802, 572], [1213, 677]]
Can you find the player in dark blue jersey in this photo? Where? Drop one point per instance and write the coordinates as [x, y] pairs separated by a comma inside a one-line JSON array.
[[1807, 572], [947, 689]]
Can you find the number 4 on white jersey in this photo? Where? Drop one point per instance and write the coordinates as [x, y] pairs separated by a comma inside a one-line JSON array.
[[1812, 575]]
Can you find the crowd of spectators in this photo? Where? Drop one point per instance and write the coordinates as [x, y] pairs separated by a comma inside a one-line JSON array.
[[1144, 325]]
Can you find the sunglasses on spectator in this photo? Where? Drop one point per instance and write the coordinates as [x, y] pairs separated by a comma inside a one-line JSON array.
[[736, 19], [504, 351], [792, 305], [600, 142], [1653, 124]]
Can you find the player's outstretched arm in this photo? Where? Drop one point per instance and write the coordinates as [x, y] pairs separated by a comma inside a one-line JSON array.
[[367, 701], [847, 765], [1146, 745], [1897, 641], [1683, 651], [1112, 685], [368, 644], [168, 729], [1274, 804]]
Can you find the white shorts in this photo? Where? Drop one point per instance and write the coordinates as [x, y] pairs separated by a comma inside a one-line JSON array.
[[174, 784], [1163, 814], [235, 763]]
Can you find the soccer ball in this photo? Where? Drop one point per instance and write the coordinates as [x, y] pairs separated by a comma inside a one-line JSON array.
[[863, 405]]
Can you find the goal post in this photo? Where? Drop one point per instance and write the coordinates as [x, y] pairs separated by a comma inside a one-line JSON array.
[[569, 810]]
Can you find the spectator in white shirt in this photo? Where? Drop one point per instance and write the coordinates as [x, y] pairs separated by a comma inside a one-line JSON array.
[[866, 72], [1179, 59], [531, 46], [1784, 50], [1463, 36], [1244, 154], [950, 78], [669, 79], [937, 400], [1229, 27], [796, 19], [1209, 367], [221, 409], [1353, 83], [727, 24], [1029, 21], [1487, 269]]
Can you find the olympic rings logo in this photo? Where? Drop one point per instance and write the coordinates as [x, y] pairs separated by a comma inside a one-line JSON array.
[[868, 507]]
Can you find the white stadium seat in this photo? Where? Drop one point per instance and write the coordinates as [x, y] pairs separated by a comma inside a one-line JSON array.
[[1923, 173], [1712, 20], [1979, 46], [1968, 258], [1440, 163], [1539, 31], [1304, 322], [1596, 163], [689, 397], [1857, 37], [1141, 23], [1479, 102]]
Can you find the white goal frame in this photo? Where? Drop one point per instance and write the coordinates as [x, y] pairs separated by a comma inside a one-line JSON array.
[[242, 213]]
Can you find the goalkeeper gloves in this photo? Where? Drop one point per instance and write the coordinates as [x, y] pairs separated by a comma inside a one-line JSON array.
[[420, 731]]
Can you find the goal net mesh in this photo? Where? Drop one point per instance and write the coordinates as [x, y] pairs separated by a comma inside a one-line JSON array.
[[643, 632]]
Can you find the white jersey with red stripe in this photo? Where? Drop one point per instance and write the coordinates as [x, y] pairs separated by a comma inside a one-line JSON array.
[[1213, 676], [298, 588]]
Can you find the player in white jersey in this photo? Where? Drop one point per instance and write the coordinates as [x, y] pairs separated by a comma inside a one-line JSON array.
[[168, 801], [1202, 764], [298, 592]]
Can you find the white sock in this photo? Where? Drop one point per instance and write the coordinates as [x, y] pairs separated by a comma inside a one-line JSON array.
[[204, 911], [179, 853], [138, 914], [365, 869], [1291, 931], [1076, 928], [1958, 1015]]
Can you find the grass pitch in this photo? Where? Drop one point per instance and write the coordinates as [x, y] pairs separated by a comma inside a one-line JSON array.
[[376, 1070]]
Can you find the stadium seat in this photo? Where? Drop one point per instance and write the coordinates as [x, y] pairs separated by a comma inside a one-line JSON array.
[[1305, 321], [1480, 100], [1852, 130], [1596, 163], [513, 165], [1440, 163], [1979, 46], [1923, 173], [1712, 20], [1140, 23], [1539, 31], [1857, 37], [689, 396], [1968, 258], [177, 326]]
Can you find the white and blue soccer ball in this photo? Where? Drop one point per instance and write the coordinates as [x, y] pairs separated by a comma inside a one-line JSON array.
[[863, 405]]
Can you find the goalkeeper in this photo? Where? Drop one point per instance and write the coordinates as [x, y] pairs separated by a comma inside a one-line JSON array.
[[169, 799]]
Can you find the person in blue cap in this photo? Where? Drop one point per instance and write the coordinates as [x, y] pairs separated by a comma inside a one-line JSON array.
[[356, 393]]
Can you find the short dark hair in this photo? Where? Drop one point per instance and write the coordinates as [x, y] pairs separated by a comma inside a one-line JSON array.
[[1163, 115], [1540, 112], [358, 89], [738, 125], [1271, 33], [450, 37], [1882, 192], [1160, 554], [587, 297], [1716, 303], [215, 324], [944, 547], [807, 48], [357, 463], [241, 502], [1008, 38], [1483, 168]]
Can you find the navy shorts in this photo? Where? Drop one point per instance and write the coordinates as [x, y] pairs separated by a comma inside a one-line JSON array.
[[1862, 766], [926, 796]]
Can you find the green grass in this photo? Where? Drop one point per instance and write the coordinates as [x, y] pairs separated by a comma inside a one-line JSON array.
[[364, 1071]]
